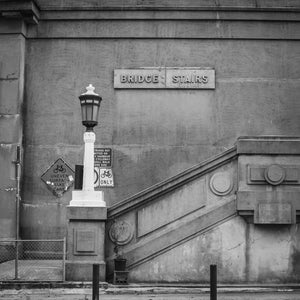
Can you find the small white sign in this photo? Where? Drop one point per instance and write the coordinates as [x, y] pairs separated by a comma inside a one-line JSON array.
[[103, 177]]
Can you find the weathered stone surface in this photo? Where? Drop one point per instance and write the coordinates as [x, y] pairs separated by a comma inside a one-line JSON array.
[[171, 4], [11, 74], [86, 213], [10, 129], [83, 271], [9, 93], [190, 261], [167, 29], [274, 213], [12, 53], [156, 134], [269, 145], [36, 223], [86, 241], [269, 189], [169, 208], [269, 251], [12, 26], [7, 197]]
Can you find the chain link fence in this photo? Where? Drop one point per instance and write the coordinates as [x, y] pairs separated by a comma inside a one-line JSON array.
[[32, 260]]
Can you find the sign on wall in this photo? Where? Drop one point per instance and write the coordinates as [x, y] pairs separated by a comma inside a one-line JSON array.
[[103, 177], [103, 167], [103, 157], [164, 78], [59, 177]]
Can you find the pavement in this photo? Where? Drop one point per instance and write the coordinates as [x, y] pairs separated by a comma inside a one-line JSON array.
[[141, 292]]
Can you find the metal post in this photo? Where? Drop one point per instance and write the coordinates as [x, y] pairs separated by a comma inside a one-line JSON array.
[[64, 259], [17, 261], [96, 268], [18, 176], [213, 282]]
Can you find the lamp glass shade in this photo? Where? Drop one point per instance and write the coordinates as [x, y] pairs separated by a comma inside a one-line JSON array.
[[96, 112], [90, 110]]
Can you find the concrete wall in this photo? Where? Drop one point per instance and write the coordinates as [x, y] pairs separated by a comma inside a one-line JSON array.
[[243, 253], [211, 214], [154, 134], [12, 53]]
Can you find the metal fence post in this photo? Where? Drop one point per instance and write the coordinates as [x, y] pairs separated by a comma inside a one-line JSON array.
[[96, 268], [64, 259], [17, 261], [17, 177], [213, 282]]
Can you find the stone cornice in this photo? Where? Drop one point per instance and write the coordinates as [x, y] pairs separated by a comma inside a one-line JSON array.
[[269, 145], [27, 10], [257, 5]]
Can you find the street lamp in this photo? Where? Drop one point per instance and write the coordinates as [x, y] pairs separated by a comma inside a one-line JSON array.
[[90, 104], [87, 212]]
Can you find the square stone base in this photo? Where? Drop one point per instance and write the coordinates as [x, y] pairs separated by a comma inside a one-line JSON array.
[[83, 271], [87, 198]]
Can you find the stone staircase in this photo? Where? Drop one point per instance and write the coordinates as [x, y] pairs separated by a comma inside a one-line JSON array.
[[201, 213]]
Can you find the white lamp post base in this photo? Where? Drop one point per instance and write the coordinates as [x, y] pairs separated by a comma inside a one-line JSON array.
[[88, 198]]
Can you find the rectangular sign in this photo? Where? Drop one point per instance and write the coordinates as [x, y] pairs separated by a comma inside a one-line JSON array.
[[103, 177], [139, 78], [164, 78], [103, 157], [190, 79]]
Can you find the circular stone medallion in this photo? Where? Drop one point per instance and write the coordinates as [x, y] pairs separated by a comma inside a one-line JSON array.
[[120, 232], [221, 184], [274, 174]]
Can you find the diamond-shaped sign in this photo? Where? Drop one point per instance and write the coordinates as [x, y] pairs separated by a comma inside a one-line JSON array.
[[59, 177]]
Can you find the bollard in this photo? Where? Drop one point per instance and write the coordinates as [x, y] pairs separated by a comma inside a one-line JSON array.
[[96, 268], [213, 282]]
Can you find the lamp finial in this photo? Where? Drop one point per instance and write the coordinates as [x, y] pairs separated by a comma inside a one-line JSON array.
[[90, 90]]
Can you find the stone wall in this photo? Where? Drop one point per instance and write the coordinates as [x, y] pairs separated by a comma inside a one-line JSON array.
[[53, 50], [12, 53], [154, 134], [223, 212]]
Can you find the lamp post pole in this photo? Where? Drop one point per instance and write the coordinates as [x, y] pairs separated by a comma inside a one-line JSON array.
[[89, 138]]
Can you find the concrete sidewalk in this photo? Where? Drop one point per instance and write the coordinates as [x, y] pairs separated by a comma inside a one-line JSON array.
[[152, 293]]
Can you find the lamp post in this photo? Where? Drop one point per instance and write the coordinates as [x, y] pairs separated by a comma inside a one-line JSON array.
[[87, 212], [90, 104]]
